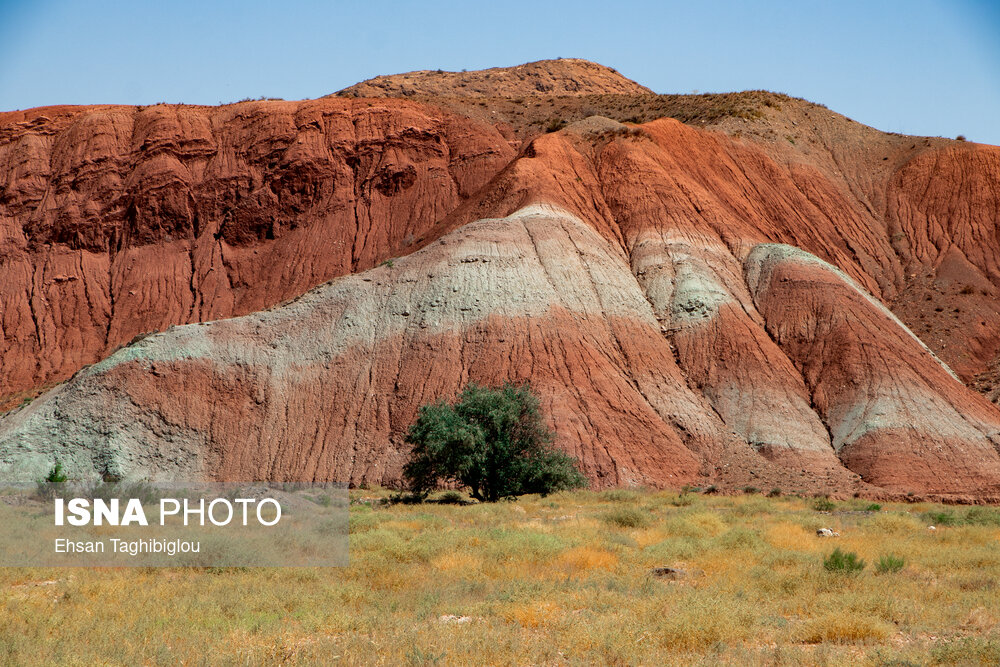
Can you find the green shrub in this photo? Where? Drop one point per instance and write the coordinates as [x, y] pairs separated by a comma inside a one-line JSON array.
[[492, 441], [627, 517], [982, 516], [46, 487], [774, 493], [889, 563], [56, 474], [824, 505], [942, 518], [839, 561], [874, 507]]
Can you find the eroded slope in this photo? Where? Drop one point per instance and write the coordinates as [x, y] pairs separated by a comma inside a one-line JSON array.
[[324, 387], [116, 221]]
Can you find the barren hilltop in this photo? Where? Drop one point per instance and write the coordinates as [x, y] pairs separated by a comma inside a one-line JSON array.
[[732, 289], [565, 76]]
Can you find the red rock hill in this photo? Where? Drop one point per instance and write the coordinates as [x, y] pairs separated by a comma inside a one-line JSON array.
[[706, 304]]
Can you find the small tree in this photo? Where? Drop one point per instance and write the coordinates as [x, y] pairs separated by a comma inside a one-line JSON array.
[[492, 441], [56, 474]]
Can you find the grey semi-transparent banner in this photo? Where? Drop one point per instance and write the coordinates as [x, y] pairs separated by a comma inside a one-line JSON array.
[[115, 524]]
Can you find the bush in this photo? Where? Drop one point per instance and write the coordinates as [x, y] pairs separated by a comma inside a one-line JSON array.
[[492, 441], [555, 125], [848, 563], [46, 488], [682, 500], [774, 493], [889, 563], [982, 516], [824, 505], [56, 474], [627, 517], [944, 518]]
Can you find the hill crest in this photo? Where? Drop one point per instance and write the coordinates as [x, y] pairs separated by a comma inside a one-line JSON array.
[[562, 76]]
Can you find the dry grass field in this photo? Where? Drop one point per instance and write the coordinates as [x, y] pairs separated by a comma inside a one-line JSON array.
[[566, 579]]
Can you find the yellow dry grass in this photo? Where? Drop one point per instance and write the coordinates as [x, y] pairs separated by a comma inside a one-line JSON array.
[[563, 580], [584, 558]]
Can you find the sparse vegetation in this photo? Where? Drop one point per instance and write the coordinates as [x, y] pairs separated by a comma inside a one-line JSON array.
[[555, 125], [548, 581], [262, 98], [528, 114], [492, 441]]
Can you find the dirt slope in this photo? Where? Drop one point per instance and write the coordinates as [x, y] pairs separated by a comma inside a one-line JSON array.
[[704, 302]]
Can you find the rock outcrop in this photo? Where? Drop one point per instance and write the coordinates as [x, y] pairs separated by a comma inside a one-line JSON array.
[[115, 221]]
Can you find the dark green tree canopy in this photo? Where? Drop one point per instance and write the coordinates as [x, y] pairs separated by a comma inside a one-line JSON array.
[[491, 440]]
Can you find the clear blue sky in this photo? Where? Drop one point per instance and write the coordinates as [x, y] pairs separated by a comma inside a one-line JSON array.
[[913, 66]]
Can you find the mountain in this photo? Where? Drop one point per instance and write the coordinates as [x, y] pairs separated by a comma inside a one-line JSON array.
[[767, 294]]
